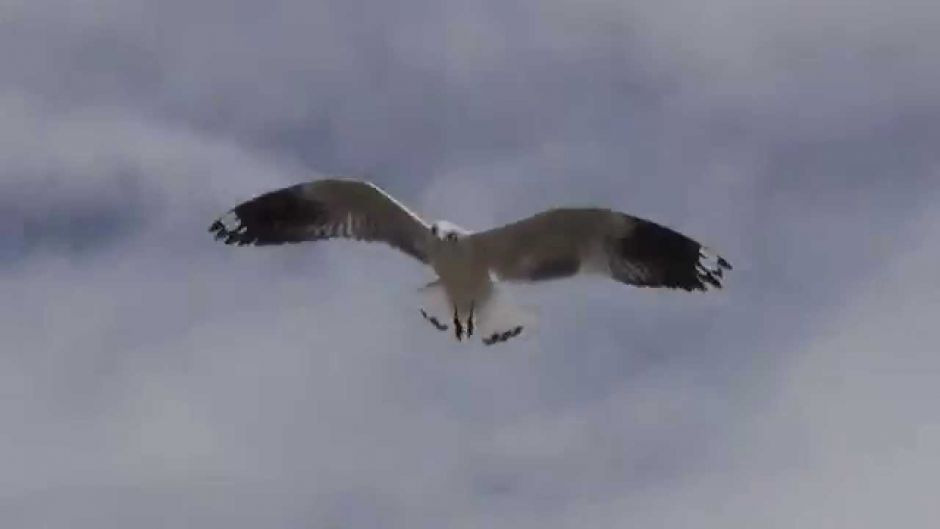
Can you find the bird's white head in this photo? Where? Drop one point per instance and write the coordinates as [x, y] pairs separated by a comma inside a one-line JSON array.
[[448, 231]]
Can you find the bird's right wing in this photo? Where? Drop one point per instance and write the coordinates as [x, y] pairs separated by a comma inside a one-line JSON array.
[[325, 209], [563, 242]]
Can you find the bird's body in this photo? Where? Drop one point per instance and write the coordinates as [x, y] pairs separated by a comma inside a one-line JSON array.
[[553, 244], [463, 275]]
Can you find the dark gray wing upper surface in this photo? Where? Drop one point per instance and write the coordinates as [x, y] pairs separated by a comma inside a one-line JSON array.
[[563, 242]]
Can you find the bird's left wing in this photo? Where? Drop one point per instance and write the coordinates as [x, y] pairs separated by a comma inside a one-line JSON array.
[[325, 209], [562, 242]]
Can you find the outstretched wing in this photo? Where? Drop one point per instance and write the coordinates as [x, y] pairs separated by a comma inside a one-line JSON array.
[[563, 242], [324, 209]]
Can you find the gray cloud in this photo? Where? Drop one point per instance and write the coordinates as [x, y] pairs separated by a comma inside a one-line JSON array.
[[151, 378]]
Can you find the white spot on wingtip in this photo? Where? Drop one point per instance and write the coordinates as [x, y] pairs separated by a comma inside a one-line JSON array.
[[708, 259], [230, 221]]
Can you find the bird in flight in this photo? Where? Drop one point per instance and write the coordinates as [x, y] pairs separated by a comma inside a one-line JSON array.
[[465, 299]]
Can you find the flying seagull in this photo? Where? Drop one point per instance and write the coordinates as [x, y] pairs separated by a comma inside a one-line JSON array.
[[553, 244]]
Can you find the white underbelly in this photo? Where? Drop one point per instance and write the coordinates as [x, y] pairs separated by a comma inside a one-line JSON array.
[[465, 282]]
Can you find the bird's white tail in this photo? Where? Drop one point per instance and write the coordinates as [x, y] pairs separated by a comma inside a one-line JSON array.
[[501, 319]]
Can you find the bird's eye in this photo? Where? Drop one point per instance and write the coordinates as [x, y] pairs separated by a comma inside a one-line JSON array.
[[434, 230]]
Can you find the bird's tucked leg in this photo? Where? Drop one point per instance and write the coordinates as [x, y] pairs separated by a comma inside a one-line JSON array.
[[470, 321], [458, 327]]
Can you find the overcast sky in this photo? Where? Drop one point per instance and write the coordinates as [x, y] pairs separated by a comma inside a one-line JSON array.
[[150, 377]]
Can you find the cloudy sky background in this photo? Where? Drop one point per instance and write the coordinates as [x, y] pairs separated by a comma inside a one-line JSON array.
[[152, 378]]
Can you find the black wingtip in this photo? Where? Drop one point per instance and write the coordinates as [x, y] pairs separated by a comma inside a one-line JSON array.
[[711, 279], [723, 263], [238, 236]]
